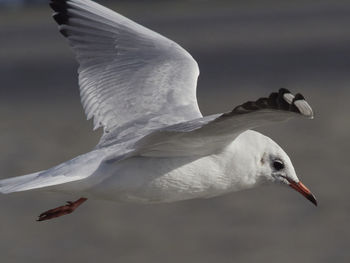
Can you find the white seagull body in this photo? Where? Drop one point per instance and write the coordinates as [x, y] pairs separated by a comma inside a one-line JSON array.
[[157, 147]]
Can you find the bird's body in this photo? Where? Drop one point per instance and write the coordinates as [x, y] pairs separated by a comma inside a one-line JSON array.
[[157, 147], [169, 179], [156, 180]]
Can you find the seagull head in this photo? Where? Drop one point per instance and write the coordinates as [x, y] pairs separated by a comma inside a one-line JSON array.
[[272, 164], [276, 166]]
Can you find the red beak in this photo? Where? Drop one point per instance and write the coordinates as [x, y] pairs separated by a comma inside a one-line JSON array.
[[304, 191]]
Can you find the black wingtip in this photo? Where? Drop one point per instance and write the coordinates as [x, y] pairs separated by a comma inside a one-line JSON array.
[[283, 91], [282, 100], [60, 18], [299, 97], [60, 7]]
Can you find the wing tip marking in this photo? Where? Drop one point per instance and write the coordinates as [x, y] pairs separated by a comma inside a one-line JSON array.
[[281, 100], [60, 8]]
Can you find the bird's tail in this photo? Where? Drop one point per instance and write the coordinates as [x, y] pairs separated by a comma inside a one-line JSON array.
[[18, 183], [76, 169]]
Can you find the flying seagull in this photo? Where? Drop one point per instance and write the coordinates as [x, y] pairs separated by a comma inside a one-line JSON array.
[[140, 87]]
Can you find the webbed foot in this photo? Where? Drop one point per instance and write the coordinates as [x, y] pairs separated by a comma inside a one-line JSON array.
[[61, 210]]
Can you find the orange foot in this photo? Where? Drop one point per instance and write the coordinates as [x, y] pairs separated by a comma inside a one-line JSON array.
[[61, 210]]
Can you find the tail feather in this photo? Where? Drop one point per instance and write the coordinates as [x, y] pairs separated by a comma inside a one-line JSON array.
[[18, 183], [35, 180], [76, 169]]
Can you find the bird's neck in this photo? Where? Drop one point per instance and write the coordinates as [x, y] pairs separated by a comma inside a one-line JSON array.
[[241, 162]]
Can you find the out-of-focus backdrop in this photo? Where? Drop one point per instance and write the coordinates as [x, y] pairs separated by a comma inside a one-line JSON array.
[[245, 49]]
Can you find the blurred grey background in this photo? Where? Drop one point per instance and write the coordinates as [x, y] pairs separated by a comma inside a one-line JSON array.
[[245, 49]]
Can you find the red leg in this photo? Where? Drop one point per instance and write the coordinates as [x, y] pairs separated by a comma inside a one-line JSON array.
[[61, 210]]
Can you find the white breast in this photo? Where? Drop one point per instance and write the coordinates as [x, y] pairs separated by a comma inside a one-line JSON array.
[[145, 180]]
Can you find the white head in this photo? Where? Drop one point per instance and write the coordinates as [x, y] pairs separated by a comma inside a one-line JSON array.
[[272, 164]]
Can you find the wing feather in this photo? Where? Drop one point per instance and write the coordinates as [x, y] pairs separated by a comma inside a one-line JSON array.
[[128, 74], [213, 133]]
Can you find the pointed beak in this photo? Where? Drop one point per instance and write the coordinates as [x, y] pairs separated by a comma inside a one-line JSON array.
[[301, 188]]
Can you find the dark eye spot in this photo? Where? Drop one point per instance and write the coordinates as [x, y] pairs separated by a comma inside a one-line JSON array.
[[278, 165]]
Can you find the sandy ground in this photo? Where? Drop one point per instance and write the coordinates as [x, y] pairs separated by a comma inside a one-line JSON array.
[[244, 53]]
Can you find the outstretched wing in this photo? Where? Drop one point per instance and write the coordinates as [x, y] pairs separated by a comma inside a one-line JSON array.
[[130, 77], [212, 133]]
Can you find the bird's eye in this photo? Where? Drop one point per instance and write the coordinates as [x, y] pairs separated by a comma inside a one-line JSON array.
[[278, 165]]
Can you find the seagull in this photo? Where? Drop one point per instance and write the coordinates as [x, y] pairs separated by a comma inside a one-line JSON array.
[[156, 147]]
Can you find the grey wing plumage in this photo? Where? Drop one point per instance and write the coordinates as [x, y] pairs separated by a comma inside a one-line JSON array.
[[130, 77], [131, 80], [213, 133]]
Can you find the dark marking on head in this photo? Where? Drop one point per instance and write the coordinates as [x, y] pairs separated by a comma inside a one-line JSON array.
[[263, 158]]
